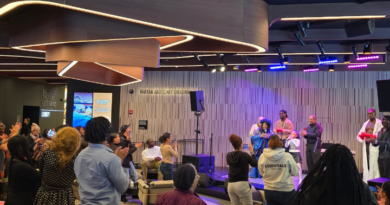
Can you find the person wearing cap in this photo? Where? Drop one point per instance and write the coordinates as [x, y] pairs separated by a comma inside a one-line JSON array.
[[128, 165], [185, 181], [382, 140]]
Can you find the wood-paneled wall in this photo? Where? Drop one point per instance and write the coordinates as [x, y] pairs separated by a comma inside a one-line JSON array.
[[235, 100]]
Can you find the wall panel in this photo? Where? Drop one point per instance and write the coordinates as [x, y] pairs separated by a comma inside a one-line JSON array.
[[235, 100]]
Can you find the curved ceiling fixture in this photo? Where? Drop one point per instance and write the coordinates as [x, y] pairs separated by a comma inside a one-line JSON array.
[[11, 6]]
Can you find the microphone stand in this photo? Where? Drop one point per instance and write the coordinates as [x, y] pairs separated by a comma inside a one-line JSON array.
[[197, 114]]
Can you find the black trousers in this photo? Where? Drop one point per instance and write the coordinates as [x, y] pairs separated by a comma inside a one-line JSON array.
[[384, 167], [311, 156]]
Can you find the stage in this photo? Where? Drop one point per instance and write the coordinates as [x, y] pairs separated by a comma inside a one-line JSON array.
[[221, 174]]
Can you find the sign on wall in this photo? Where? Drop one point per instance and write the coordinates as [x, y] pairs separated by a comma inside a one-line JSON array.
[[143, 125], [49, 99], [102, 104], [164, 92]]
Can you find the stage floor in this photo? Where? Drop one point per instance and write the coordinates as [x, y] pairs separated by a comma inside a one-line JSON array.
[[221, 173]]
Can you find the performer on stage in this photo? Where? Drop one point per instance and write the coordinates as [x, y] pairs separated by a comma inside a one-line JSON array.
[[370, 153], [313, 147], [283, 127], [293, 141], [382, 140], [255, 126], [259, 141]]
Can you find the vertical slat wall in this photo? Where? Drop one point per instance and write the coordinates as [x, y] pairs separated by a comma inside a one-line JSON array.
[[235, 100]]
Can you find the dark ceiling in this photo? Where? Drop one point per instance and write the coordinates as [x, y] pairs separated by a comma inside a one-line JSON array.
[[281, 2]]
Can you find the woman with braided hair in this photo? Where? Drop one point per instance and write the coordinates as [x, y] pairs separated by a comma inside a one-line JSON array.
[[334, 180]]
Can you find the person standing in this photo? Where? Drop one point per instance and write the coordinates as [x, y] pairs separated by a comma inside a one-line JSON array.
[[313, 134], [25, 127], [168, 154], [276, 166], [239, 188], [283, 127], [152, 158], [99, 169], [56, 166], [370, 153], [259, 141], [256, 126], [383, 142]]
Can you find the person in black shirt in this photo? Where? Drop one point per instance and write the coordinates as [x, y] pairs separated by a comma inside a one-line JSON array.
[[313, 147], [382, 140], [238, 188], [26, 127]]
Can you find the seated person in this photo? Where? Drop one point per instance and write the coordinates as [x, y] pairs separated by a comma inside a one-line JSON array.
[[185, 180], [152, 158]]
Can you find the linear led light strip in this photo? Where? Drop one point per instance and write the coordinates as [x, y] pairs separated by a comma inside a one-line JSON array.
[[16, 56], [138, 80], [40, 78], [191, 56], [290, 54], [27, 70], [187, 38], [332, 17], [28, 63], [14, 5], [69, 66]]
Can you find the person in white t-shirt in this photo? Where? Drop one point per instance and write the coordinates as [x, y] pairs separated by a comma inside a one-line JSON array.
[[152, 158]]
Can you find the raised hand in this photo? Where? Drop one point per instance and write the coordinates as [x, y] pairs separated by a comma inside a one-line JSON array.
[[138, 144], [250, 148]]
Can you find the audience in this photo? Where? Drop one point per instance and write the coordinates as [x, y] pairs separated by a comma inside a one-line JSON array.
[[383, 193], [4, 153], [113, 141], [151, 157], [185, 180], [23, 179], [98, 169], [34, 138], [334, 180], [277, 166], [25, 127], [168, 154], [128, 164], [239, 188], [56, 166]]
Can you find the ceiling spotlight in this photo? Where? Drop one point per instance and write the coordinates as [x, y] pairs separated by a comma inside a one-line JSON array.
[[259, 69], [331, 68], [318, 59], [222, 58], [299, 39], [347, 59], [384, 58], [222, 68], [251, 69], [246, 59], [367, 49], [236, 67], [388, 47], [280, 54], [320, 47], [354, 52], [213, 70], [301, 29], [307, 24], [286, 60]]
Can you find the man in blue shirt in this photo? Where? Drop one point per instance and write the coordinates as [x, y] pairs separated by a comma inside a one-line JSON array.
[[98, 168]]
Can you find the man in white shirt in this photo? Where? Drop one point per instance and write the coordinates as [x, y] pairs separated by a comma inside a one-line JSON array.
[[152, 158]]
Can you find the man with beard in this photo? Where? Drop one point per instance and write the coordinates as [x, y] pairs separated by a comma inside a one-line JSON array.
[[382, 141], [283, 127], [370, 153]]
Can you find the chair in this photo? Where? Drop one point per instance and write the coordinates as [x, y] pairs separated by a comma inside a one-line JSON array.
[[152, 174], [148, 193]]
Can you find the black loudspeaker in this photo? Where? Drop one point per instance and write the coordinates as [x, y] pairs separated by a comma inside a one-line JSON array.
[[201, 162], [383, 87], [360, 27], [196, 97], [206, 181]]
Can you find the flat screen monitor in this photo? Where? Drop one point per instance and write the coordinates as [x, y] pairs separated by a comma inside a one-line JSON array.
[[82, 108]]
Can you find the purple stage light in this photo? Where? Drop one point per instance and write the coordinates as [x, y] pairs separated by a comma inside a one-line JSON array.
[[357, 66], [364, 58], [251, 70], [306, 70]]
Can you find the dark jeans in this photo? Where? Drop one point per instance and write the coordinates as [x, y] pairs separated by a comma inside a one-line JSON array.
[[167, 170], [311, 156], [278, 197], [384, 167]]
